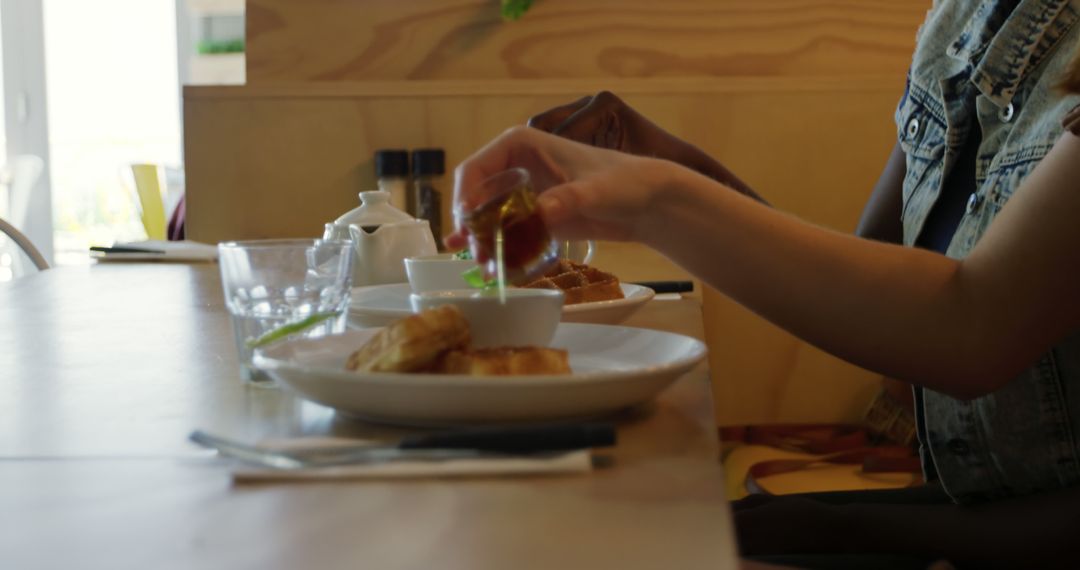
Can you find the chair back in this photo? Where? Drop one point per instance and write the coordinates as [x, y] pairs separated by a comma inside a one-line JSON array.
[[24, 244], [762, 374], [150, 187], [20, 175]]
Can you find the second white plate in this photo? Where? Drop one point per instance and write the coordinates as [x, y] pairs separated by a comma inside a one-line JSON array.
[[380, 305]]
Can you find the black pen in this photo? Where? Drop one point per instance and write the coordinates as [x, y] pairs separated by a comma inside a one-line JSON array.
[[125, 249]]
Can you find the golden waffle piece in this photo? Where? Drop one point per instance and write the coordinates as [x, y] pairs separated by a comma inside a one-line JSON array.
[[505, 361], [580, 283], [414, 343]]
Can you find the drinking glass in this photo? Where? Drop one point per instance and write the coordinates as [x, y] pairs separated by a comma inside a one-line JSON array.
[[276, 289], [581, 251], [507, 222]]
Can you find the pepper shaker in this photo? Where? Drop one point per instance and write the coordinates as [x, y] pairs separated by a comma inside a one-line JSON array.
[[428, 166]]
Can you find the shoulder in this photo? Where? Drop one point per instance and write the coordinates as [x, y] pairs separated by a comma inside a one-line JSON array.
[[946, 17]]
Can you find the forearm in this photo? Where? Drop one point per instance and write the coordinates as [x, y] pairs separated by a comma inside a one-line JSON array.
[[899, 311]]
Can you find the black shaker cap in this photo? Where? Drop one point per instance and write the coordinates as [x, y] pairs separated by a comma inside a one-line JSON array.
[[391, 163], [428, 161]]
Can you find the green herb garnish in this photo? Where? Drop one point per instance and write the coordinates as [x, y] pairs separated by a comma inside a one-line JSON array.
[[463, 254], [288, 329], [475, 278], [514, 9]]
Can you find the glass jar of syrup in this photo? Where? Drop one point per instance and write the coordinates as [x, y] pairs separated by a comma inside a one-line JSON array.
[[506, 232]]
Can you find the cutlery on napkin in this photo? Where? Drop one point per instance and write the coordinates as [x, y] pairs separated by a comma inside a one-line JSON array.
[[155, 250], [468, 452]]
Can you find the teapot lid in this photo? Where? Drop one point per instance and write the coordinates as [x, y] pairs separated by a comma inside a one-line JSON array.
[[375, 210]]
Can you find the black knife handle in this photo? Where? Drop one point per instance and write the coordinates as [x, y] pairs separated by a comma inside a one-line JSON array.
[[668, 286], [524, 439], [125, 249]]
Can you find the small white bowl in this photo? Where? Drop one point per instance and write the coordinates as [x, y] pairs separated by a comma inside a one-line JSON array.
[[437, 272], [527, 318]]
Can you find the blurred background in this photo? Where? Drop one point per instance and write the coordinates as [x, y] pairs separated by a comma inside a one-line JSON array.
[[265, 116], [89, 90]]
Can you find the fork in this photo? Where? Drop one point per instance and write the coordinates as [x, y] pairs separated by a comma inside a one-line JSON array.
[[495, 443]]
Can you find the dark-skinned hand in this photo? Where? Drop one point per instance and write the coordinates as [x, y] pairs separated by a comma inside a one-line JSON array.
[[606, 121], [1072, 121]]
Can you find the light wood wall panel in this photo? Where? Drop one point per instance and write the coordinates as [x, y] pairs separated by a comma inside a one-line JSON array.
[[366, 40], [272, 161]]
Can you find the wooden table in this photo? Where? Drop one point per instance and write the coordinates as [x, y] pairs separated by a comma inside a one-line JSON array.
[[105, 369]]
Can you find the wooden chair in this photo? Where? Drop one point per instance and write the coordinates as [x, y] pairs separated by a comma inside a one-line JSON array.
[[149, 187], [24, 244], [20, 175], [762, 375]]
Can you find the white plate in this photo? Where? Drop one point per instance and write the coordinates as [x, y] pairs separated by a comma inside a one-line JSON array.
[[614, 368], [380, 305]]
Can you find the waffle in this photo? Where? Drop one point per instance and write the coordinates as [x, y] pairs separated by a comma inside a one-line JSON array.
[[436, 341], [579, 283], [505, 361], [414, 343]]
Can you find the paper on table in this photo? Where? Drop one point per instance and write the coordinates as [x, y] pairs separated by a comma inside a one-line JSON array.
[[178, 251], [572, 462]]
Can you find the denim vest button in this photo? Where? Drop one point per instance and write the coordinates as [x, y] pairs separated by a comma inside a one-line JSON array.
[[973, 202], [912, 128], [958, 447], [1007, 113]]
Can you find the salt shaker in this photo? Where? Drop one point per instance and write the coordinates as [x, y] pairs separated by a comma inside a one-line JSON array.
[[392, 171]]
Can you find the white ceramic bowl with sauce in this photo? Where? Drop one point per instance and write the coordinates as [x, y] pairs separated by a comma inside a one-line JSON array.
[[438, 272], [528, 317]]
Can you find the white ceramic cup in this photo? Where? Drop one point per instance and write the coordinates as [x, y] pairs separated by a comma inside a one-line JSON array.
[[528, 317], [438, 272]]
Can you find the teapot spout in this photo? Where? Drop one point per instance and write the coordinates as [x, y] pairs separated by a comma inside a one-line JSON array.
[[361, 233], [381, 250]]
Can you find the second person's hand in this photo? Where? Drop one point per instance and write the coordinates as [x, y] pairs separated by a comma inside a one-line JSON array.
[[584, 192], [606, 121]]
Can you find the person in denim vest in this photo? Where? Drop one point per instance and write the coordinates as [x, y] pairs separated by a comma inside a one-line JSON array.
[[986, 323]]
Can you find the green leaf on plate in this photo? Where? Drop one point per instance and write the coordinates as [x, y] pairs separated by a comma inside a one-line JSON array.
[[474, 276]]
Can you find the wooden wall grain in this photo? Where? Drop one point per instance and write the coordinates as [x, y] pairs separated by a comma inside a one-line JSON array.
[[794, 95], [366, 40]]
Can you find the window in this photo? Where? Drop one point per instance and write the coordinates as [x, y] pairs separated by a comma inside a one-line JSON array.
[[113, 100]]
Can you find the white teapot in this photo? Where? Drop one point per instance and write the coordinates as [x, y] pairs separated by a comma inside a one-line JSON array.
[[383, 236]]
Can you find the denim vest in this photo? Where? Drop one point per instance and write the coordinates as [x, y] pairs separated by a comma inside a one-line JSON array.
[[977, 62]]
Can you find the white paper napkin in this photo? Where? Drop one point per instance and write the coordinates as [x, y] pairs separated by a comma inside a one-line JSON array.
[[572, 462]]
